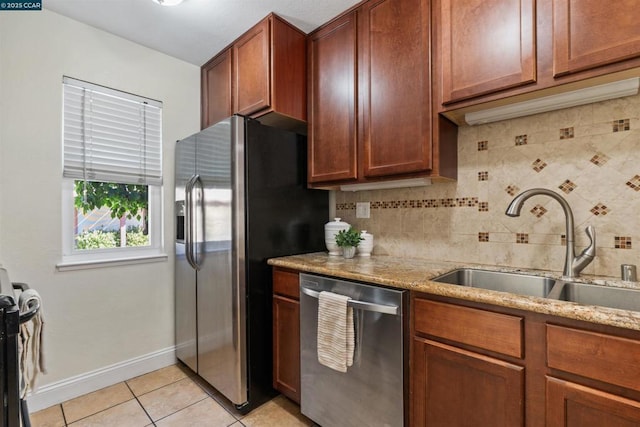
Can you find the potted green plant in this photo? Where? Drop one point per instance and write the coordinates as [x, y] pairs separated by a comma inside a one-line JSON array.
[[348, 240]]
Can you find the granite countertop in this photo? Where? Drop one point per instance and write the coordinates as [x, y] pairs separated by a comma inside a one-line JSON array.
[[415, 275]]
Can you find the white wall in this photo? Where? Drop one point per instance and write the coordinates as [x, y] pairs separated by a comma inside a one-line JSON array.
[[95, 317]]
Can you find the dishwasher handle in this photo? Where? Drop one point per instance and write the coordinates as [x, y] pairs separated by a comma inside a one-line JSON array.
[[361, 305]]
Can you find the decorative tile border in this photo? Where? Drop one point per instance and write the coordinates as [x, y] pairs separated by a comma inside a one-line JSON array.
[[622, 242], [566, 133], [460, 202], [621, 125], [521, 140]]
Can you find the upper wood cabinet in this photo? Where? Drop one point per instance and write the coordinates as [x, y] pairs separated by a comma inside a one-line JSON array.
[[395, 87], [488, 50], [370, 107], [216, 89], [251, 70], [486, 45], [592, 33], [266, 77], [332, 137]]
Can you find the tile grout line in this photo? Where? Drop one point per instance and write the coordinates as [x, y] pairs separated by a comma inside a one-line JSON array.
[[215, 397], [64, 418], [140, 403]]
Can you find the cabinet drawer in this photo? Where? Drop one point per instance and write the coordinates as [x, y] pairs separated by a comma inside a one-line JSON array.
[[602, 357], [496, 332], [286, 282]]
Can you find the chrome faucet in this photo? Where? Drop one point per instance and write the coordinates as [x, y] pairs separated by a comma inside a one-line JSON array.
[[573, 265]]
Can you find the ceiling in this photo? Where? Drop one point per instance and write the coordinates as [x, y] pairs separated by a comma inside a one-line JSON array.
[[195, 30]]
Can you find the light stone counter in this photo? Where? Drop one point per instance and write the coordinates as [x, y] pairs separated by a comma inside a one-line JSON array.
[[415, 275]]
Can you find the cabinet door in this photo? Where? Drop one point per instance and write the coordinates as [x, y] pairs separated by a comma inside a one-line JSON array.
[[485, 46], [395, 86], [455, 387], [216, 89], [570, 404], [592, 33], [332, 143], [252, 69], [286, 347]]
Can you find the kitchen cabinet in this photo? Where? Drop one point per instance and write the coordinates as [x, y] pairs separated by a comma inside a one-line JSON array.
[[332, 135], [588, 34], [487, 365], [286, 333], [570, 404], [488, 50], [454, 385], [480, 52], [216, 101], [264, 77], [594, 358], [370, 107]]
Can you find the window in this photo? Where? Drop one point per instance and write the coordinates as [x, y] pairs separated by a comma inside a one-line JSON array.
[[112, 175]]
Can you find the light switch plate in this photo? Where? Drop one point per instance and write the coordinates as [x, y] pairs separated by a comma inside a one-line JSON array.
[[363, 210]]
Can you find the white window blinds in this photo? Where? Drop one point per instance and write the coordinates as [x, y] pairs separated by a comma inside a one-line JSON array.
[[111, 136]]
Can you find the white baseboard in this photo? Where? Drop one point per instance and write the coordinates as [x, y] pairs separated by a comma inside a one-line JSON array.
[[61, 391]]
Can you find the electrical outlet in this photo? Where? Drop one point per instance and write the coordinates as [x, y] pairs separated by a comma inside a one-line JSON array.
[[363, 210]]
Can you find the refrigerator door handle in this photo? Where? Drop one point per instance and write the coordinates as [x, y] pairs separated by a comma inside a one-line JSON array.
[[188, 197], [199, 208]]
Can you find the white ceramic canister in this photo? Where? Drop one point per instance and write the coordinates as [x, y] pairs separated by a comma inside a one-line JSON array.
[[366, 244], [330, 231]]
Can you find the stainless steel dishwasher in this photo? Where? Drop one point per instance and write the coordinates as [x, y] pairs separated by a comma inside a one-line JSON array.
[[372, 391]]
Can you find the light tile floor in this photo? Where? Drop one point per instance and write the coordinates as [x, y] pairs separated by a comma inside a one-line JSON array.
[[168, 397]]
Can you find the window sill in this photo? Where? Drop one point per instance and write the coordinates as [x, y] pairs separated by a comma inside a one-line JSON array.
[[100, 263]]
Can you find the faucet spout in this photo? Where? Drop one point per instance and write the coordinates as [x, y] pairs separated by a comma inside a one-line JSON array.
[[572, 265]]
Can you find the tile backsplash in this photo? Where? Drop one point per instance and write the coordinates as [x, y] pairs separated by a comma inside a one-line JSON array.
[[590, 155]]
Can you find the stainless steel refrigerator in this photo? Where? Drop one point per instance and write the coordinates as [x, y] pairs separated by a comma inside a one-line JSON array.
[[240, 199]]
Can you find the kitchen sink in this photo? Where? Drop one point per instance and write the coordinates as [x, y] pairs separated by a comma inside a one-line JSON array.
[[605, 296], [544, 287], [516, 283]]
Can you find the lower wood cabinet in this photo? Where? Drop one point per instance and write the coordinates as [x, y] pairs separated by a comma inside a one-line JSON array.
[[478, 364], [286, 333], [455, 387], [570, 404], [452, 382]]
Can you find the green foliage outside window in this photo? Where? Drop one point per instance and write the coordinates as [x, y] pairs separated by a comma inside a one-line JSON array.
[[124, 200], [99, 239]]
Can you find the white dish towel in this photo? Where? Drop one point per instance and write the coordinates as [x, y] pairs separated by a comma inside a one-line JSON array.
[[31, 346], [335, 331]]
